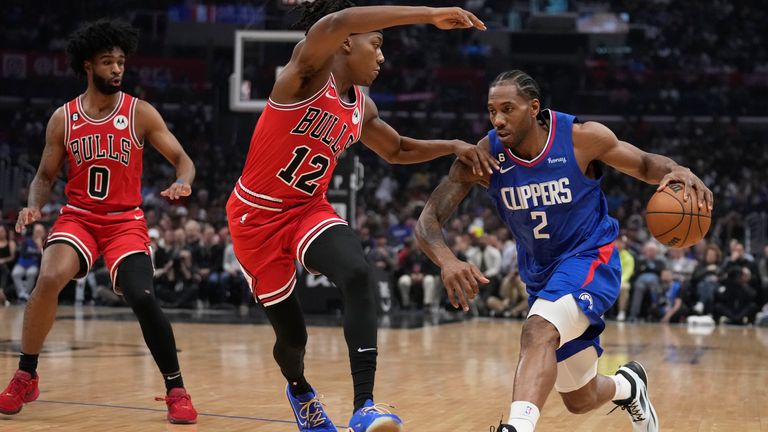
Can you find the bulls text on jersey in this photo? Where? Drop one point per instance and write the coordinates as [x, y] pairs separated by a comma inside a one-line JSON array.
[[90, 147], [320, 125]]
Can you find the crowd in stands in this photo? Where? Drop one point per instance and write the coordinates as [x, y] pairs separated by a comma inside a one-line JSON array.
[[715, 66]]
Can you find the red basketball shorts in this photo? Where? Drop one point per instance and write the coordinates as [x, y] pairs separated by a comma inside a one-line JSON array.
[[268, 240], [114, 235]]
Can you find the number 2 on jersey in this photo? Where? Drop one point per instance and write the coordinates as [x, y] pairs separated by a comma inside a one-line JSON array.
[[305, 182], [537, 230]]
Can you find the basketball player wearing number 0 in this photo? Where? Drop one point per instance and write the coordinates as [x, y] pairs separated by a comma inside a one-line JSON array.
[[278, 213], [101, 135], [547, 191]]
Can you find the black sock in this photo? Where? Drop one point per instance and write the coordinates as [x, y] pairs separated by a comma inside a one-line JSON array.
[[363, 367], [300, 387], [28, 363], [173, 380]]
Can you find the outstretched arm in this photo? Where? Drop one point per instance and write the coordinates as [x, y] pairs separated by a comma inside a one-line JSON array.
[[596, 142], [309, 65], [150, 125], [460, 278], [396, 149], [54, 153]]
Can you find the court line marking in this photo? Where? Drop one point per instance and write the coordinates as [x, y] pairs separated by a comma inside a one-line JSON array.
[[89, 404]]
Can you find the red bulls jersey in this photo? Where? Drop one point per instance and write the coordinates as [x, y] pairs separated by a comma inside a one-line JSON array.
[[104, 157], [295, 147]]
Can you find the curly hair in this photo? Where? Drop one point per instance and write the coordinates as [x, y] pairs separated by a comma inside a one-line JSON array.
[[99, 36], [312, 11]]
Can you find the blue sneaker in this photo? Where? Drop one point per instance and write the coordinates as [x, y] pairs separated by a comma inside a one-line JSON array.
[[374, 418], [309, 412]]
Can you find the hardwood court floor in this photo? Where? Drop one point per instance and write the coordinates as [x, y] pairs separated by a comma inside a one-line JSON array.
[[97, 375]]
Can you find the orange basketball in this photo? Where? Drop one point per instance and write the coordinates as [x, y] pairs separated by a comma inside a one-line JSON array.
[[674, 222]]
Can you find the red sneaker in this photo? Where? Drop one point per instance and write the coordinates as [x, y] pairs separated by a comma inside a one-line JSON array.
[[180, 409], [20, 390]]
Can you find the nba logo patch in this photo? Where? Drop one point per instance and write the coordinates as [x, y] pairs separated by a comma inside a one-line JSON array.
[[528, 410], [120, 122], [356, 116], [587, 298]]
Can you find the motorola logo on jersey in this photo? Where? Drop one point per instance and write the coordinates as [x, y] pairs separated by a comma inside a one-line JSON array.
[[549, 193], [322, 125], [356, 116], [120, 122], [92, 147]]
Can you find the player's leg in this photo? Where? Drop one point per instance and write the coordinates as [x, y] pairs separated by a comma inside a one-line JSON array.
[[134, 279], [60, 264], [125, 241], [536, 371], [287, 321], [273, 288], [582, 388], [337, 253], [271, 276], [559, 328], [578, 383]]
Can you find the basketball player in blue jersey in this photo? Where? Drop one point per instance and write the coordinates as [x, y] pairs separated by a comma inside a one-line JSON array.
[[547, 191]]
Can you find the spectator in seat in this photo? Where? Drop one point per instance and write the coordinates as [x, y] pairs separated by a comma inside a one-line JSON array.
[[7, 255], [648, 270], [25, 271], [735, 299]]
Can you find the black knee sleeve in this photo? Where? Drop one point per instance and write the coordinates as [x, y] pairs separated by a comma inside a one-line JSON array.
[[291, 337], [134, 277]]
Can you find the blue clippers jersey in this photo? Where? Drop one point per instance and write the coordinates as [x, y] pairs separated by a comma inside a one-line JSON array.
[[551, 207]]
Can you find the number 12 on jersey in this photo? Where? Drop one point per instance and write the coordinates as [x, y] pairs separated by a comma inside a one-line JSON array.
[[305, 182], [539, 215]]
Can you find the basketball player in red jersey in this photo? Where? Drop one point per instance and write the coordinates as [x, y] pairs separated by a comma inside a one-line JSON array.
[[101, 134], [278, 212]]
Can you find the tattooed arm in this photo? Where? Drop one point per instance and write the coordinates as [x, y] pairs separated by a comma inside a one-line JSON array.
[[460, 278]]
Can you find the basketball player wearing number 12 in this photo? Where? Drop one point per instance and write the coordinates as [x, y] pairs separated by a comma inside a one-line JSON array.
[[547, 191], [278, 213], [101, 135]]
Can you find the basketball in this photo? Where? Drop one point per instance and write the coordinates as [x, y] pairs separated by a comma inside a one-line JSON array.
[[675, 222]]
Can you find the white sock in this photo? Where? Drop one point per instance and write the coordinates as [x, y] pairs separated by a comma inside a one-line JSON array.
[[623, 387], [523, 416]]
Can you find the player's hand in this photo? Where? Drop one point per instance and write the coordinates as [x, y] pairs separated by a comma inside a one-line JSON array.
[[449, 18], [683, 175], [475, 156], [27, 215], [462, 281], [177, 189]]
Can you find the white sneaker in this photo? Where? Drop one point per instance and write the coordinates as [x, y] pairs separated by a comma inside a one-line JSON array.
[[698, 308], [638, 406], [621, 316]]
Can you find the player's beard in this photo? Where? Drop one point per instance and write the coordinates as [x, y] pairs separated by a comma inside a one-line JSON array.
[[104, 86]]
